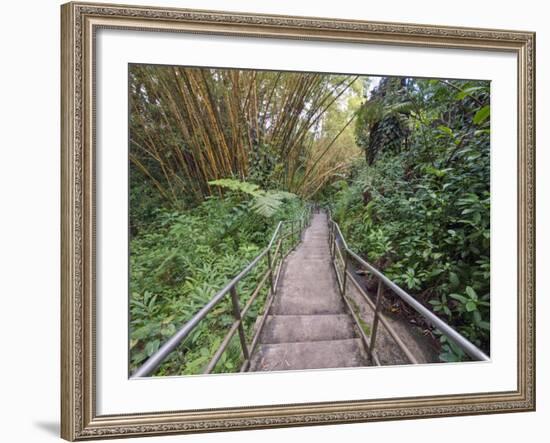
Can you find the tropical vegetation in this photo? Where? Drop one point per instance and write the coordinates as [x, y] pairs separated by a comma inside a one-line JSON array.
[[219, 156]]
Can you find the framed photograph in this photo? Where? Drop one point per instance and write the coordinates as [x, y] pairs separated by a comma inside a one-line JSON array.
[[283, 221]]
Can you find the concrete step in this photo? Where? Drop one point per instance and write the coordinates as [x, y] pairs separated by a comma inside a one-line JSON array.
[[309, 274], [308, 326], [306, 300], [302, 328], [309, 355]]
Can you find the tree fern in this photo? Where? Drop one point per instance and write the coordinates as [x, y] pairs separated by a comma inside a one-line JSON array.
[[264, 203], [237, 185]]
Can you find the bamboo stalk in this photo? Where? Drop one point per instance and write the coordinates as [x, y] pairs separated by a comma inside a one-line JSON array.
[[192, 125]]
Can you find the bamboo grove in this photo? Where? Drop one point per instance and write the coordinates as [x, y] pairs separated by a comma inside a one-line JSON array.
[[191, 126]]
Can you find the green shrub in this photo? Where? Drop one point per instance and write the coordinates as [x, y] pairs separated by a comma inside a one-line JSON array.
[[179, 262], [421, 212]]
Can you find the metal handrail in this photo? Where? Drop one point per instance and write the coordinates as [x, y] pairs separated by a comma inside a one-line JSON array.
[[384, 282], [277, 240]]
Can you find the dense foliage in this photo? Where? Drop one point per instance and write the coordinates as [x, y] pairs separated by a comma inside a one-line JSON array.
[[419, 206], [218, 157], [177, 265]]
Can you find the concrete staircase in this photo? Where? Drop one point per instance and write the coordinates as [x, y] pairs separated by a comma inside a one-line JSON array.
[[308, 326]]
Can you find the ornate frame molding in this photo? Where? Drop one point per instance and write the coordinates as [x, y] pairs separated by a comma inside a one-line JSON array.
[[79, 22]]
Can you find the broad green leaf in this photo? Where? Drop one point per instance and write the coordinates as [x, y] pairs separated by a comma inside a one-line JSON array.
[[453, 278], [471, 293], [459, 297], [482, 114], [468, 91], [477, 316], [445, 129], [152, 347]]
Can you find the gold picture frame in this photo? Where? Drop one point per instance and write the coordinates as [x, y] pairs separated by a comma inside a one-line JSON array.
[[80, 21]]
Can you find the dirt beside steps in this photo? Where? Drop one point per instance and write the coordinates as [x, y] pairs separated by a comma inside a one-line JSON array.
[[308, 326]]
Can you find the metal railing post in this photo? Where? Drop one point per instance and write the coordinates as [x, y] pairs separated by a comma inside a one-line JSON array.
[[282, 247], [270, 265], [345, 274], [333, 245], [237, 315], [379, 295]]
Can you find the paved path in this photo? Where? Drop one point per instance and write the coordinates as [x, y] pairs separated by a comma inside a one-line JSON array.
[[308, 326]]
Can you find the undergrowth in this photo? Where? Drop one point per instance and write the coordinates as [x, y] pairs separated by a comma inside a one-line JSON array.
[[179, 262]]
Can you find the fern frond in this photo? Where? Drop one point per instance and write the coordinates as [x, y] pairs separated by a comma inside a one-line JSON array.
[[399, 108], [237, 185], [267, 204], [284, 195], [264, 203]]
